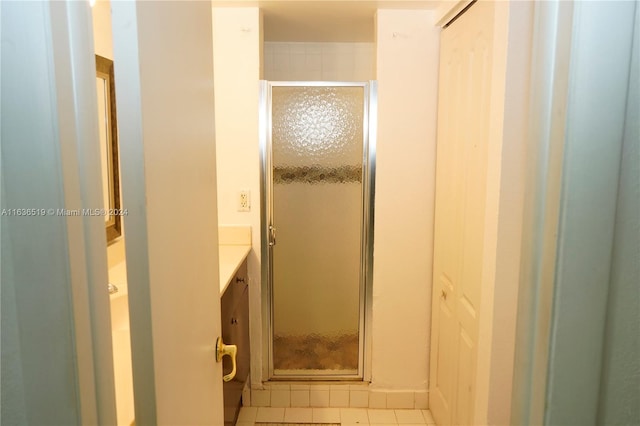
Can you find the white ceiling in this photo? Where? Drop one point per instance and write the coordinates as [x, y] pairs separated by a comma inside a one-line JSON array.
[[323, 20]]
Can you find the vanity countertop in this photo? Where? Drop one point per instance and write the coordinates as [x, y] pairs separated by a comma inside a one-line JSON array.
[[233, 248], [234, 244], [231, 257]]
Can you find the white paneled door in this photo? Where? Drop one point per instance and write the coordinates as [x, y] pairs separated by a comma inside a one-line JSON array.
[[164, 83], [463, 133]]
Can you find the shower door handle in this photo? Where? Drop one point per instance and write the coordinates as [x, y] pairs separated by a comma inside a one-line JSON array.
[[272, 235]]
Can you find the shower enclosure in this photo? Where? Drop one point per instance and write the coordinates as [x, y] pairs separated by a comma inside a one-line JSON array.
[[318, 161]]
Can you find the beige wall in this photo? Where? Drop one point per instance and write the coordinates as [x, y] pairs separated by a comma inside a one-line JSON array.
[[102, 38], [319, 61], [237, 39], [407, 73]]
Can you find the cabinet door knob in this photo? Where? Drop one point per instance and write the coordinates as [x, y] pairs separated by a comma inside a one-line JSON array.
[[232, 351], [444, 295]]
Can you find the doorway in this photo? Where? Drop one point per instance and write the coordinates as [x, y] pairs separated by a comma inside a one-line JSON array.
[[318, 164]]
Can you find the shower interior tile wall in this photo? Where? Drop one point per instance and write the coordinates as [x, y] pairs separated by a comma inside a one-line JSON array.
[[285, 61], [322, 395]]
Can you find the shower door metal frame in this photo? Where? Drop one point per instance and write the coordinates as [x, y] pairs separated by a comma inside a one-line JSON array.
[[369, 133]]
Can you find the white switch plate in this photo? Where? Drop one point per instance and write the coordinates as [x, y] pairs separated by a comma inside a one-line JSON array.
[[244, 201]]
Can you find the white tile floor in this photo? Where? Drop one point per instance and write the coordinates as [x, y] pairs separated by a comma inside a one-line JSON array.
[[345, 416]]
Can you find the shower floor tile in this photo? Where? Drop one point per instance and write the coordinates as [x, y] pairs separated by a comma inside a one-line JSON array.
[[313, 352], [296, 424]]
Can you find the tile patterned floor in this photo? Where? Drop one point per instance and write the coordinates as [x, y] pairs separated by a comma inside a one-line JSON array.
[[298, 424], [249, 416], [315, 352]]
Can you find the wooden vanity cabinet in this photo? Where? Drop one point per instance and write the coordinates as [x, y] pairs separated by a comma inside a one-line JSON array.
[[235, 331]]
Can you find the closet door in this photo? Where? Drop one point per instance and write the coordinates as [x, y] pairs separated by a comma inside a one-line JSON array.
[[463, 117]]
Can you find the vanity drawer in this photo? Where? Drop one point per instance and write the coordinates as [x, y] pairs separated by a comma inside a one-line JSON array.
[[234, 293], [235, 331]]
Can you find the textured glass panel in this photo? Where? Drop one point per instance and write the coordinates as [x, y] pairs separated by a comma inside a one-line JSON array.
[[317, 133], [317, 143]]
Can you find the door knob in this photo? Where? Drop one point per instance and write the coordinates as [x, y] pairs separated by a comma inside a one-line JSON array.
[[232, 351], [443, 295]]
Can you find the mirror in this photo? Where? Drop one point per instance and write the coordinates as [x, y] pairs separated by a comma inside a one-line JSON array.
[[108, 129]]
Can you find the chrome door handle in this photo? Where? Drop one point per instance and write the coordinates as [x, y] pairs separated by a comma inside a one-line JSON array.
[[272, 235]]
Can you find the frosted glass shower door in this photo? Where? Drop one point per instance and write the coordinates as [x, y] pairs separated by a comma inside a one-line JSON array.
[[318, 165]]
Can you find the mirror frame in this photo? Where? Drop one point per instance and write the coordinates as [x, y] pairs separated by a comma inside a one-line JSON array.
[[104, 70]]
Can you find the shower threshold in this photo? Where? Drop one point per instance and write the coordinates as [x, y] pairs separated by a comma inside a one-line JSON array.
[[315, 373]]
